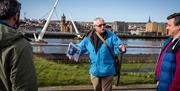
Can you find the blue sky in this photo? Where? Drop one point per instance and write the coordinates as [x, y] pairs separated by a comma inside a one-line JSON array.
[[110, 10]]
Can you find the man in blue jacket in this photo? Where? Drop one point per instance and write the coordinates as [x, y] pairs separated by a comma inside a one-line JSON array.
[[168, 64], [102, 67]]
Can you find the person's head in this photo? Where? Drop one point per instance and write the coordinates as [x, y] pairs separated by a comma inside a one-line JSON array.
[[99, 25], [173, 25], [10, 12]]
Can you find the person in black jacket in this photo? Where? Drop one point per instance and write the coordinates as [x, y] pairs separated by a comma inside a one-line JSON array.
[[17, 71]]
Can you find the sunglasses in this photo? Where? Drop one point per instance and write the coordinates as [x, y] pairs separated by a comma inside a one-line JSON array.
[[100, 25]]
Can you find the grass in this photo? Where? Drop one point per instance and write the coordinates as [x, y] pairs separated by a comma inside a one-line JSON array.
[[138, 65], [54, 74], [50, 73], [136, 78]]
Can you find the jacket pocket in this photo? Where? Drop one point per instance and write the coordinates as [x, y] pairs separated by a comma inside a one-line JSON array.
[[108, 60]]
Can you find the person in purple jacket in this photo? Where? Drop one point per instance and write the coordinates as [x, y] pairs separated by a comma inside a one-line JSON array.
[[168, 65]]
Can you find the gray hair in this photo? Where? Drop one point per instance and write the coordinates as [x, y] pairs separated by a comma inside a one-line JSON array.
[[98, 18]]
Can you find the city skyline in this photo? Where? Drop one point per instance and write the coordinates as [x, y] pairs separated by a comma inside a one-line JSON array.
[[110, 10]]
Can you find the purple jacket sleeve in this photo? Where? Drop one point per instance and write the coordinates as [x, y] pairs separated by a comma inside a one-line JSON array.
[[175, 86]]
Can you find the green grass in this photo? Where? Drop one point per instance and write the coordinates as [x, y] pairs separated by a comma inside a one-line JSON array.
[[50, 73], [53, 74], [138, 65], [136, 78]]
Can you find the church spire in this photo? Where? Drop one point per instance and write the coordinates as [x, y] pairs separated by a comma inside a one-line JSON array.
[[149, 21]]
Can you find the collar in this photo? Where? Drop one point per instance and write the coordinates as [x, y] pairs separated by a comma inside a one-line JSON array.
[[5, 23]]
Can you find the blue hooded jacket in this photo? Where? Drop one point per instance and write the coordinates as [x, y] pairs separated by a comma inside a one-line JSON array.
[[101, 62], [168, 66]]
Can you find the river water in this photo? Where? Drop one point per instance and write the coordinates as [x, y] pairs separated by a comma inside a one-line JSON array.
[[59, 46]]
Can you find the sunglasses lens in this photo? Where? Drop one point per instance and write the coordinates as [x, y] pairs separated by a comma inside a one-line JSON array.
[[100, 25]]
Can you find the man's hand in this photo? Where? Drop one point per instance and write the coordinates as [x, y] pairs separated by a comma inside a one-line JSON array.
[[79, 36], [122, 48]]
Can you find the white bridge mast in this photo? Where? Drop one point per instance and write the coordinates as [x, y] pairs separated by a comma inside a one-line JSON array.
[[78, 34], [74, 24], [47, 23]]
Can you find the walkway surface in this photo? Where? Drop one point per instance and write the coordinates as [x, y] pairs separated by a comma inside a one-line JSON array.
[[142, 87]]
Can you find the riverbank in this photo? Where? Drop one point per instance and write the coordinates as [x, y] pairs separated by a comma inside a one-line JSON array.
[[73, 35], [127, 58]]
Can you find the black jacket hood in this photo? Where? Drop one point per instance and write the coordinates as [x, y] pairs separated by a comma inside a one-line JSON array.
[[8, 36]]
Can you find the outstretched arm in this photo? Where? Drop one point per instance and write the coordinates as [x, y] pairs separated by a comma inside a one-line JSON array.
[[119, 44]]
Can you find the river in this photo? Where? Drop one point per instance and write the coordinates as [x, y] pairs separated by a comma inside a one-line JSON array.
[[129, 42]]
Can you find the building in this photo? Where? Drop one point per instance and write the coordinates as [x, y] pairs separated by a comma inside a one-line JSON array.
[[136, 28], [120, 27], [155, 29], [66, 26]]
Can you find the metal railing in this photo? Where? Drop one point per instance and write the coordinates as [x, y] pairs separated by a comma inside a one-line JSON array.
[[59, 44]]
